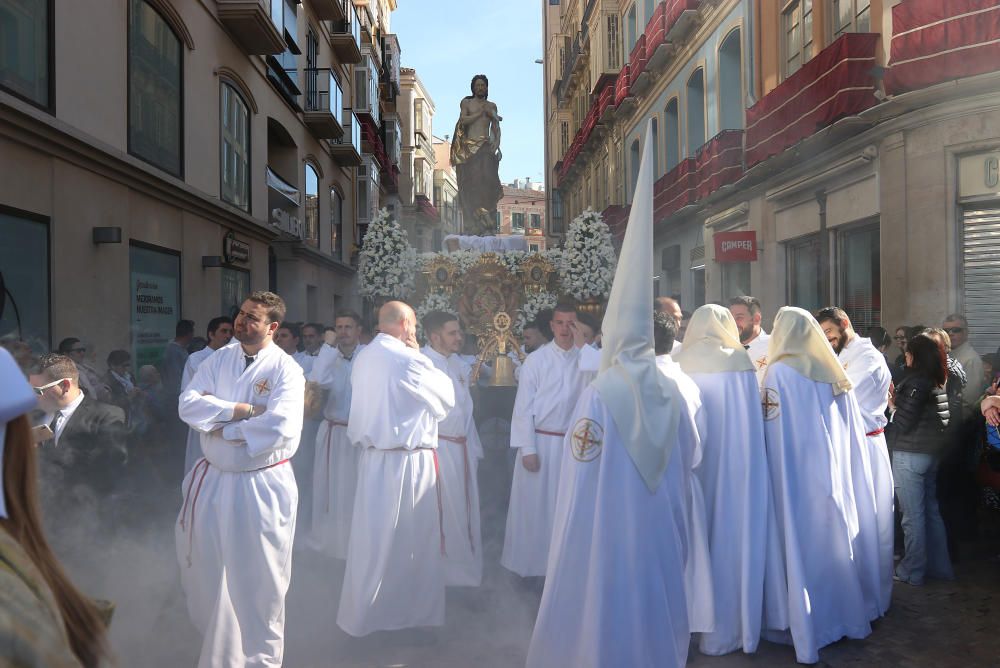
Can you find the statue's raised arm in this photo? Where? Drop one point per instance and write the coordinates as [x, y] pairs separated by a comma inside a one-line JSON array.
[[475, 153]]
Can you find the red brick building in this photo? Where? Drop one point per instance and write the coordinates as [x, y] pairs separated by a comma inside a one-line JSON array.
[[522, 211]]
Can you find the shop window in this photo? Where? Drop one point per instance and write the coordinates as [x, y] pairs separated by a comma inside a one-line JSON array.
[[851, 16], [235, 288], [25, 50], [805, 273], [311, 232], [731, 82], [25, 269], [154, 89], [235, 149], [860, 283], [797, 28], [155, 287], [695, 90]]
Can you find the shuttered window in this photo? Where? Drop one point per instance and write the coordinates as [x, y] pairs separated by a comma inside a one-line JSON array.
[[981, 276]]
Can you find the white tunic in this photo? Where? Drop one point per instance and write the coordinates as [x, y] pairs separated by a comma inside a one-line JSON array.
[[697, 563], [870, 375], [549, 383], [395, 576], [335, 465], [733, 475], [459, 452], [814, 595], [193, 450], [306, 360], [237, 522], [757, 350], [609, 534]]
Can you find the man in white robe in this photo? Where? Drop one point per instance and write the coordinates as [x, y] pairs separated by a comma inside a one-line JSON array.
[[814, 594], [869, 374], [459, 451], [335, 463], [614, 589], [549, 383], [733, 476], [747, 314], [220, 333], [237, 521], [395, 573]]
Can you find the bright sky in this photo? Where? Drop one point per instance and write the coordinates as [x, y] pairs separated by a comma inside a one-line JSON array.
[[449, 41]]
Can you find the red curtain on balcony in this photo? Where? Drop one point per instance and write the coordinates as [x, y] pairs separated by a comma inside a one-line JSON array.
[[838, 82], [656, 30], [622, 89], [675, 189], [940, 40], [719, 162], [674, 9]]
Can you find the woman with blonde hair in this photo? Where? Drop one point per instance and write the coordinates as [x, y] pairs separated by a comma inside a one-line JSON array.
[[44, 619]]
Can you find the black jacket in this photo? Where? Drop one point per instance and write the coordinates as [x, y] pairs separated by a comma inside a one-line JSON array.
[[921, 416]]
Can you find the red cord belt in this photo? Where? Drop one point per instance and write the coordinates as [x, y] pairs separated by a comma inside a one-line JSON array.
[[878, 431], [543, 432]]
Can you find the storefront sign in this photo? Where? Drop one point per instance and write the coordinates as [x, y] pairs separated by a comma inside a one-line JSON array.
[[155, 283], [735, 246], [979, 175], [286, 222], [235, 251]]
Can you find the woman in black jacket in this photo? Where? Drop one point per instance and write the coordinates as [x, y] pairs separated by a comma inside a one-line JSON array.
[[917, 437]]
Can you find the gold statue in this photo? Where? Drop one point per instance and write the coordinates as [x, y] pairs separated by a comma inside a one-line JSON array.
[[495, 345], [475, 153]]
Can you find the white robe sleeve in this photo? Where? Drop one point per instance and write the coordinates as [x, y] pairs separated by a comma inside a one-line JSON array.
[[322, 370], [590, 358], [188, 374], [522, 422], [280, 423], [198, 407], [428, 384]]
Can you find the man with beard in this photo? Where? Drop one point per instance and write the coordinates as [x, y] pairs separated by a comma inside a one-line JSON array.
[[220, 333], [869, 374], [475, 153], [235, 529], [459, 452], [670, 306], [533, 337], [746, 312]]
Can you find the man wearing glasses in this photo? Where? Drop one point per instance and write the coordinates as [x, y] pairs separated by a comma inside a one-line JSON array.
[[958, 331], [90, 380]]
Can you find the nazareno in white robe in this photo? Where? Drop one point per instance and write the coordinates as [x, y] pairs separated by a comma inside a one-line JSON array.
[[615, 586], [870, 376], [192, 452], [734, 480], [335, 463], [237, 522], [395, 571], [813, 593], [458, 465], [549, 383]]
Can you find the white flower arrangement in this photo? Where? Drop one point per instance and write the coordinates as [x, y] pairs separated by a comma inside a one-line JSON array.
[[532, 305], [435, 301], [512, 259], [388, 262], [588, 259]]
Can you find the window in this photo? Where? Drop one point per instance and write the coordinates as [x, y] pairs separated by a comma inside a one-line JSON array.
[[672, 134], [735, 279], [648, 11], [797, 27], [154, 82], [695, 111], [336, 224], [25, 268], [614, 50], [860, 282], [851, 16], [619, 173], [730, 83], [557, 212], [656, 149], [805, 280], [235, 288], [632, 29], [633, 163], [25, 50], [536, 221], [155, 276], [563, 138], [534, 248], [235, 149], [517, 222], [311, 231]]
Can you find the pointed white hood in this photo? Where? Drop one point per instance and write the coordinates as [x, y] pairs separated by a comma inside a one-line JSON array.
[[644, 403]]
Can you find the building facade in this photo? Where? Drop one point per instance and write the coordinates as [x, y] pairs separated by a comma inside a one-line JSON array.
[[522, 211], [419, 214], [204, 150], [807, 151], [446, 191]]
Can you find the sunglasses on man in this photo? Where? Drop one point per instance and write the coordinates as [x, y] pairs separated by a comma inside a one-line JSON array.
[[41, 390], [954, 330]]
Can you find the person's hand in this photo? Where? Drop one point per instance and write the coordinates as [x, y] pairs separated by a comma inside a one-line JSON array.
[[411, 340], [578, 339], [991, 410], [994, 387], [531, 463]]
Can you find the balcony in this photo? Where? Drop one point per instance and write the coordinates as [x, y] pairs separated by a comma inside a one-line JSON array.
[[371, 141], [719, 163], [838, 82], [390, 56], [639, 78], [616, 218], [345, 36], [324, 104], [426, 208], [255, 24], [680, 18], [572, 57], [606, 104], [329, 10], [675, 189], [624, 99], [347, 149], [658, 49], [938, 41]]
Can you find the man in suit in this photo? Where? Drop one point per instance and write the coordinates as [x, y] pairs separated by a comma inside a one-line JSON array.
[[84, 461]]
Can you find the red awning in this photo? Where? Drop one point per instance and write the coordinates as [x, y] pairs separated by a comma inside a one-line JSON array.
[[838, 82], [935, 41]]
